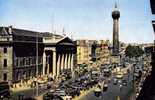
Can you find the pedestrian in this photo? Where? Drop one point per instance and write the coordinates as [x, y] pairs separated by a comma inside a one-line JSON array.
[[35, 81], [120, 87]]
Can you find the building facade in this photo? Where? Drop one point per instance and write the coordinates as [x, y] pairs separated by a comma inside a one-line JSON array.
[[83, 51], [103, 52], [21, 60], [92, 50]]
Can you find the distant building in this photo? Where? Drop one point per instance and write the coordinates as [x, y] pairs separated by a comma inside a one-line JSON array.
[[18, 54], [83, 51], [103, 51], [92, 50]]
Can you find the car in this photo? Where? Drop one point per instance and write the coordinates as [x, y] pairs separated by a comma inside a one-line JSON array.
[[97, 92], [48, 96], [119, 75], [119, 81], [105, 87], [51, 96], [115, 81], [124, 82], [60, 92]]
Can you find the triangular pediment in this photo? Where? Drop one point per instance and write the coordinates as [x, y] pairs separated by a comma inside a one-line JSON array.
[[65, 41]]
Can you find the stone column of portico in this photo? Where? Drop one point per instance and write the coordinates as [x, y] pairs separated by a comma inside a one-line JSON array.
[[65, 62], [69, 61], [54, 63], [58, 65], [72, 66], [62, 62], [48, 66], [44, 62]]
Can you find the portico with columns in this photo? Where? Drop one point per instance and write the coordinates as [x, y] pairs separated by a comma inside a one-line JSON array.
[[58, 57]]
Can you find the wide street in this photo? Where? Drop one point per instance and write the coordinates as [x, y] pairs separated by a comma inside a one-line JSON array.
[[119, 90], [114, 91]]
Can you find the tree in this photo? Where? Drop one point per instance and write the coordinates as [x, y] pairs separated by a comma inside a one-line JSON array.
[[133, 51]]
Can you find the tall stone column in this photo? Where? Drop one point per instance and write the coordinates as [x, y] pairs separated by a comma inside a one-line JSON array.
[[62, 62], [69, 61], [58, 66], [54, 62], [44, 62], [72, 64], [48, 65], [65, 61]]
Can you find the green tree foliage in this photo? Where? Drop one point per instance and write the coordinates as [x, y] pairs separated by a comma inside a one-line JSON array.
[[133, 51]]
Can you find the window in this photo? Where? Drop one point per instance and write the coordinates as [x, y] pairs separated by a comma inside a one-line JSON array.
[[5, 76], [27, 61], [17, 64], [30, 61], [5, 50], [21, 62], [24, 61], [5, 62]]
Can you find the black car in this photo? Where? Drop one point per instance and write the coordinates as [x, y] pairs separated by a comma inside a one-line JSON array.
[[51, 96]]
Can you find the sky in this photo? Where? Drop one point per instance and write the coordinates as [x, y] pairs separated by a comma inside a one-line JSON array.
[[81, 19]]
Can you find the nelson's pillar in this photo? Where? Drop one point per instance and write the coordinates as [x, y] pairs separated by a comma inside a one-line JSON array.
[[115, 16]]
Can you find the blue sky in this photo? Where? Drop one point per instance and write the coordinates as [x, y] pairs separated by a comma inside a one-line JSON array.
[[84, 19]]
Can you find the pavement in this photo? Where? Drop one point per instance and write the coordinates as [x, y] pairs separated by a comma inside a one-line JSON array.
[[26, 90]]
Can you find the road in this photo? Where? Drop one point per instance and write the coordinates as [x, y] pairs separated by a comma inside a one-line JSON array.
[[114, 91], [111, 94]]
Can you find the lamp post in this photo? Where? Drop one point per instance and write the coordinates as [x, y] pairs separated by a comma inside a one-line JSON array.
[[37, 63]]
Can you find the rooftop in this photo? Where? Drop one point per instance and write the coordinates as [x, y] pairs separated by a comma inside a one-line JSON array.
[[22, 32]]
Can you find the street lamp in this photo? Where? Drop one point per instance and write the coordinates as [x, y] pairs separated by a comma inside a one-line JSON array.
[[37, 63]]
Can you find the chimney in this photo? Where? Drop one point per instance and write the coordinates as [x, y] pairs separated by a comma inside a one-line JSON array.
[[10, 29]]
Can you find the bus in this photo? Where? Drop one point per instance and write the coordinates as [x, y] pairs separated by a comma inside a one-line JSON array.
[[4, 90]]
